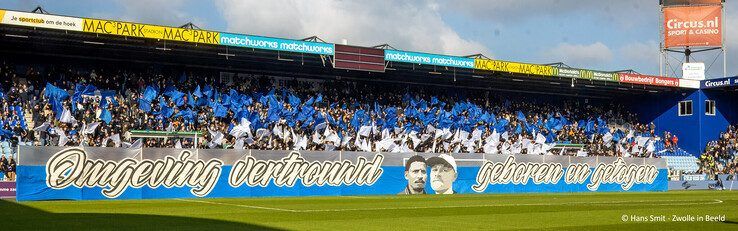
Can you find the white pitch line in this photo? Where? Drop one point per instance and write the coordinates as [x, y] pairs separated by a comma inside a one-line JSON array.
[[648, 202], [238, 205], [509, 205]]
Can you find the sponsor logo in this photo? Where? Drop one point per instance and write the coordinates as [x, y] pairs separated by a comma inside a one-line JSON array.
[[429, 59], [523, 68], [276, 44], [150, 31], [649, 80], [692, 26], [41, 21], [718, 83], [566, 72]]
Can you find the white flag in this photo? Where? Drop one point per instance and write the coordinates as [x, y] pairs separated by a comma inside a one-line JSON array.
[[365, 146], [346, 140], [242, 129], [333, 137], [447, 133], [476, 134], [116, 139], [62, 136], [320, 126], [364, 131], [43, 127], [66, 117], [607, 139], [277, 130], [650, 147], [261, 133], [540, 139], [139, 143], [415, 139], [490, 148], [239, 144], [89, 129], [430, 129]]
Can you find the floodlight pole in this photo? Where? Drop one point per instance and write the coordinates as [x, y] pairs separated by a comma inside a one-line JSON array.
[[722, 35], [662, 54]]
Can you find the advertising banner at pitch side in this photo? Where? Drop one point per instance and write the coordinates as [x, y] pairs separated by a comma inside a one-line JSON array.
[[75, 173]]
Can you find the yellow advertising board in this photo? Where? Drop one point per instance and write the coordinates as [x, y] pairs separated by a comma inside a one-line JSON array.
[[150, 31], [513, 67]]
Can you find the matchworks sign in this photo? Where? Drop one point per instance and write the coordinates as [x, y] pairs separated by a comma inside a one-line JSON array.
[[693, 26], [48, 173]]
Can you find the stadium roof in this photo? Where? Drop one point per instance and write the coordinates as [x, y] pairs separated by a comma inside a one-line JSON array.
[[44, 35]]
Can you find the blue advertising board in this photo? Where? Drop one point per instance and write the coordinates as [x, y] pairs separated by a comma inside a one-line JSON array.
[[428, 59], [717, 83], [259, 42]]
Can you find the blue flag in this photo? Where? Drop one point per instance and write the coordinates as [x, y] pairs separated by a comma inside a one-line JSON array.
[[207, 91], [294, 100], [191, 100], [150, 93], [187, 114], [219, 110], [197, 92], [144, 105], [55, 92], [106, 116], [521, 116], [167, 111]]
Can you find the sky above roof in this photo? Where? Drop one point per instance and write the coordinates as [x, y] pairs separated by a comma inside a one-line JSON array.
[[601, 35]]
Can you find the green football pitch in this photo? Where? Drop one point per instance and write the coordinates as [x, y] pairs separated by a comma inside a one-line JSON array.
[[693, 210]]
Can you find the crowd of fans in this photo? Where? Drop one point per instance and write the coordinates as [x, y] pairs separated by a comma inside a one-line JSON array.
[[7, 168], [721, 156], [55, 106]]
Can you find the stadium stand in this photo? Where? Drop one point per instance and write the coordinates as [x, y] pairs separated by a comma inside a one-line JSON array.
[[721, 156], [70, 106]]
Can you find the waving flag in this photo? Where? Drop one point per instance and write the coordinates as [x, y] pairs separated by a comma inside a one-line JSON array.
[[167, 111], [150, 93], [219, 110], [66, 117], [207, 92], [54, 92], [197, 92], [294, 100], [520, 116], [106, 116], [144, 105]]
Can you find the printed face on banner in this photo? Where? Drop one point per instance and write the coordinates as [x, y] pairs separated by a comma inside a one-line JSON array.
[[442, 179], [693, 26], [416, 176], [443, 173]]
